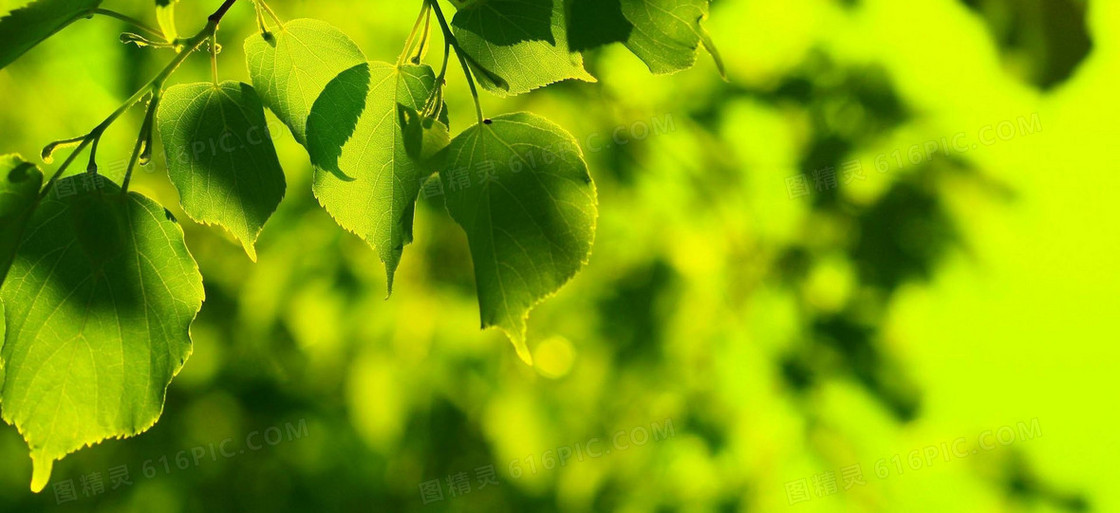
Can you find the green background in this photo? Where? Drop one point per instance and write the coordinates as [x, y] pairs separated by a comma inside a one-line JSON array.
[[941, 317]]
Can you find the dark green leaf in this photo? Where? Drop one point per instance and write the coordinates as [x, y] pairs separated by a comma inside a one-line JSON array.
[[20, 182], [520, 189], [28, 26], [221, 158]]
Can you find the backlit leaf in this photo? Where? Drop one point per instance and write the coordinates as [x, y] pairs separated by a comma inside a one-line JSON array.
[[520, 189], [165, 17], [28, 26], [524, 42], [99, 301], [665, 34], [221, 158], [290, 67], [19, 189], [368, 143]]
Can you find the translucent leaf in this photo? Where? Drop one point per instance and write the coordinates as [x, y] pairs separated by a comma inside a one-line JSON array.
[[165, 16], [20, 182], [221, 158], [520, 189], [368, 143], [99, 301], [28, 26], [19, 189], [291, 66], [3, 331], [522, 42], [665, 34]]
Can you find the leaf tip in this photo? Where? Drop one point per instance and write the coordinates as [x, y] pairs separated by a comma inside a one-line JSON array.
[[41, 473], [516, 336], [250, 250], [523, 352]]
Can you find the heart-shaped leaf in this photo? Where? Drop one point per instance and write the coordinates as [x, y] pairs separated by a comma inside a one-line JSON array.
[[99, 301], [290, 67], [520, 189], [221, 158], [368, 141], [522, 42]]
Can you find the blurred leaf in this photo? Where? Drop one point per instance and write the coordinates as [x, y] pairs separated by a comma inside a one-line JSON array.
[[221, 158], [520, 189], [19, 188], [524, 42], [102, 294], [26, 27], [165, 16], [291, 67], [363, 132]]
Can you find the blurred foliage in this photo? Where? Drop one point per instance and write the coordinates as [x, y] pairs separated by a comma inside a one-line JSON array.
[[937, 294]]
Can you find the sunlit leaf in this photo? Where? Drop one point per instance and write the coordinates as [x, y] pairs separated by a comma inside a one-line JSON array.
[[367, 140], [28, 26], [19, 188], [221, 158], [290, 67], [524, 42], [165, 16], [98, 305], [665, 34], [520, 189]]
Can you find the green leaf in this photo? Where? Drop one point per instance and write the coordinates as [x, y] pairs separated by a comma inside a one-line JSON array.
[[3, 332], [99, 303], [20, 182], [368, 143], [291, 67], [221, 158], [28, 26], [520, 189], [665, 34], [524, 42], [594, 23], [165, 16]]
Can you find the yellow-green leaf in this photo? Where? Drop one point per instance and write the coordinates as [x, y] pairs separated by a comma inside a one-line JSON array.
[[98, 301], [221, 158]]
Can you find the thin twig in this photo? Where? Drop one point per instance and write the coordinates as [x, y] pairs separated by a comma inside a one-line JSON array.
[[143, 27]]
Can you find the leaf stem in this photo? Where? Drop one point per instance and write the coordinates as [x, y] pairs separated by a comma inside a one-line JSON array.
[[214, 58], [271, 13], [425, 39], [156, 83], [450, 39], [411, 40], [144, 140], [140, 25], [261, 24]]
